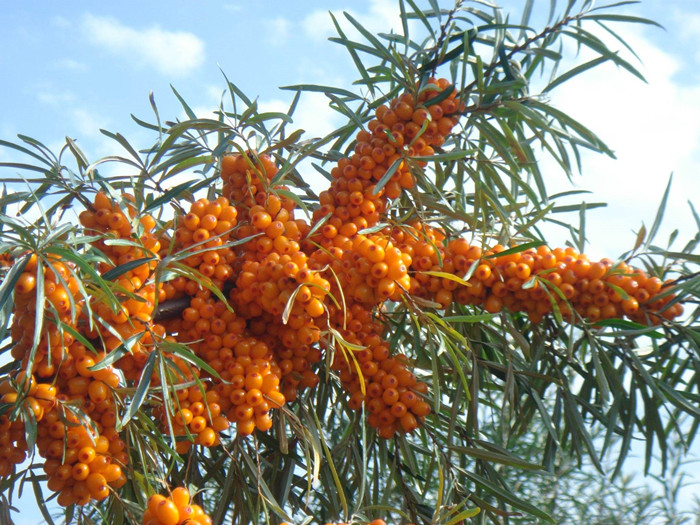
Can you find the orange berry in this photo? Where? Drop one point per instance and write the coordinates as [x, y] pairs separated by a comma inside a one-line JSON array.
[[26, 283], [482, 272], [630, 305], [80, 471], [97, 485], [493, 304], [263, 422], [86, 454], [207, 437], [254, 397], [246, 427], [653, 285], [261, 220], [315, 308], [198, 424], [208, 222], [112, 473], [421, 408], [167, 513]]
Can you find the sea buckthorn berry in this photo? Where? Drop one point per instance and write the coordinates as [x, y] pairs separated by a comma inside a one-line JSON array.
[[167, 513], [97, 485], [314, 308], [26, 283], [261, 220], [207, 437], [482, 272], [80, 471]]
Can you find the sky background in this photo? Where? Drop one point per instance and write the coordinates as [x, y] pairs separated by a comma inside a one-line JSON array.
[[70, 68]]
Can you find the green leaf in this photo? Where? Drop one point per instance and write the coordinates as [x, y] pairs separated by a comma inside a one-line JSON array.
[[120, 270], [573, 72], [7, 286], [496, 457], [376, 44], [190, 357], [589, 40], [579, 427], [659, 214], [142, 387], [630, 327], [477, 318], [21, 166], [188, 110], [168, 196], [680, 400], [326, 90], [41, 500], [346, 110], [448, 276], [459, 518], [27, 152], [516, 249], [125, 144], [387, 176], [621, 18], [507, 496]]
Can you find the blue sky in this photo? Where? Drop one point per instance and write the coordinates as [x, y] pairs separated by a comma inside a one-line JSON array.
[[70, 68]]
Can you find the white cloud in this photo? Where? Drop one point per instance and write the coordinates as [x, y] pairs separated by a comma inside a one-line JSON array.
[[70, 64], [60, 21], [173, 53], [317, 119], [318, 25], [278, 30], [55, 98], [87, 123], [312, 114], [383, 16], [654, 129], [688, 27]]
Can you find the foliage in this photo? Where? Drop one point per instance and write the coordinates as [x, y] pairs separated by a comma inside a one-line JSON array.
[[588, 386]]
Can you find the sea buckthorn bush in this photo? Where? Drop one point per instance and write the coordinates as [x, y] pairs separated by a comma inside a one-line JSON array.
[[230, 344]]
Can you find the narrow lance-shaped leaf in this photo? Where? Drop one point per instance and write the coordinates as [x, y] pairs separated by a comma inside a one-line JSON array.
[[659, 214], [141, 389]]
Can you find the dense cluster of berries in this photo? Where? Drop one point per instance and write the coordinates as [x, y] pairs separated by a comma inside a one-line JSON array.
[[384, 383], [196, 416], [278, 292], [537, 281], [176, 509], [284, 295], [407, 128], [62, 305], [13, 441], [135, 288], [204, 233], [370, 269], [73, 404]]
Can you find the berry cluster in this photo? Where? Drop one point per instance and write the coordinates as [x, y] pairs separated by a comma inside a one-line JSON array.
[[538, 281], [176, 509], [74, 405], [203, 234], [137, 292], [384, 383], [265, 294]]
